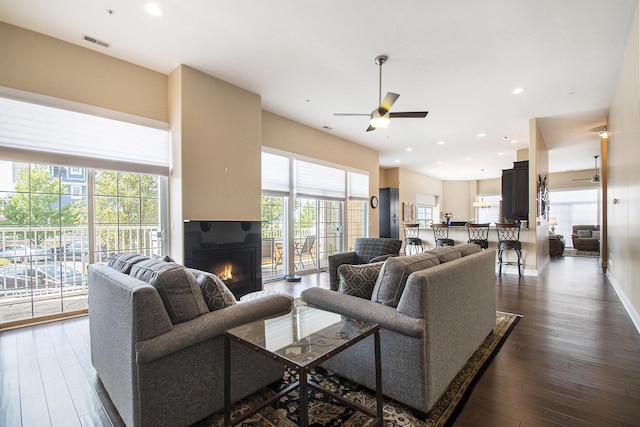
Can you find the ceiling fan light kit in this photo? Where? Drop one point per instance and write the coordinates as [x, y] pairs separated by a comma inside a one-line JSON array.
[[380, 117], [595, 179]]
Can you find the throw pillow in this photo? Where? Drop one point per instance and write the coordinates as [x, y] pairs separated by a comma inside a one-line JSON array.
[[165, 258], [358, 280], [584, 234], [394, 274], [124, 262], [177, 287], [446, 253], [216, 294], [468, 249], [595, 235]]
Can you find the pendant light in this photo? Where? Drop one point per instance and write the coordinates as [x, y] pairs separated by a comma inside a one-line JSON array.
[[481, 204]]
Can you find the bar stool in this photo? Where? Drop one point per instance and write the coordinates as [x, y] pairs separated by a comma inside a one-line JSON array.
[[509, 239], [441, 235], [412, 240], [479, 234]]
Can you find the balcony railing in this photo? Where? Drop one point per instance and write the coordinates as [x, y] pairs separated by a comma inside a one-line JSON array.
[[51, 262]]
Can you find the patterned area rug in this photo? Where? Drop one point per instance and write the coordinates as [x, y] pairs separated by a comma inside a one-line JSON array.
[[326, 412]]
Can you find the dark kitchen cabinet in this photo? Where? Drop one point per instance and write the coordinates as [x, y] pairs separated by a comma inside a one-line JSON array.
[[390, 212], [515, 192]]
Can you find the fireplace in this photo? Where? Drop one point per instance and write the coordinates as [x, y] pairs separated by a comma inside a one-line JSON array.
[[228, 249]]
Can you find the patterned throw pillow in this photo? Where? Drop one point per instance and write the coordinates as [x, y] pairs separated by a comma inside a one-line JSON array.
[[595, 235], [216, 294], [176, 286], [124, 262], [358, 280]]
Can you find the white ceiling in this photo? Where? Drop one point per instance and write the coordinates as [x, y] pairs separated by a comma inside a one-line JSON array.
[[460, 60]]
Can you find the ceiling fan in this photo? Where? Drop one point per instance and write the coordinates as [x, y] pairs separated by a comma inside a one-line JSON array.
[[381, 115], [595, 179]]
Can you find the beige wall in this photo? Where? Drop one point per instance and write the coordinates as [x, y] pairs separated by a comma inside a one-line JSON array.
[[623, 178], [292, 137], [40, 64], [538, 168]]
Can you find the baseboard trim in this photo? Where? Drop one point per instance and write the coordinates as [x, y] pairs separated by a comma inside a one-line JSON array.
[[635, 316]]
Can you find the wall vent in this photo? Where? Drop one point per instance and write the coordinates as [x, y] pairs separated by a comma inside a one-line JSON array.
[[96, 41]]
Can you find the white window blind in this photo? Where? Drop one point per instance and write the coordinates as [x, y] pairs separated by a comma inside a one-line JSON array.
[[425, 199], [358, 186], [275, 173], [47, 134], [319, 181]]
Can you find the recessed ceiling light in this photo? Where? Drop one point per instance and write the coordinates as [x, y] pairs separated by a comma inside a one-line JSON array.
[[482, 135], [409, 149], [440, 142], [467, 158], [500, 154], [153, 9], [518, 91], [397, 161], [439, 163]]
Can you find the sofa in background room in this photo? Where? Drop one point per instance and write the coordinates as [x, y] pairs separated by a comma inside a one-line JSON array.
[[586, 237]]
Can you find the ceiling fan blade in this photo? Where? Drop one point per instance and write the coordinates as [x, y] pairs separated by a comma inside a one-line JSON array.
[[387, 102], [409, 114], [351, 114], [370, 128]]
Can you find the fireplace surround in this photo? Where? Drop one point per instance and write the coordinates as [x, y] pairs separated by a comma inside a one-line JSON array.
[[229, 249]]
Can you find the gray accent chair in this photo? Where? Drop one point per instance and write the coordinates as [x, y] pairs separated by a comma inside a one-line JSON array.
[[444, 312], [367, 250], [162, 374]]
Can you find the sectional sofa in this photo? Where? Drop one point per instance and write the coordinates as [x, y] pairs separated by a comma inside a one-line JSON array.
[[435, 309]]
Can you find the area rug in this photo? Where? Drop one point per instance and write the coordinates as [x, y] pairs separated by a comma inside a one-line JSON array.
[[326, 412], [575, 252]]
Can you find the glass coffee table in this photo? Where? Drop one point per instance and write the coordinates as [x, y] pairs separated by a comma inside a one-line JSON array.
[[301, 340]]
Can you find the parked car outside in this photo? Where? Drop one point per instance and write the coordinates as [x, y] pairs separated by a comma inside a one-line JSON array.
[[24, 275], [23, 253], [75, 251]]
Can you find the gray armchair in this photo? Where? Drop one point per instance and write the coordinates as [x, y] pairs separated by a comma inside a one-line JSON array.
[[583, 237], [368, 249]]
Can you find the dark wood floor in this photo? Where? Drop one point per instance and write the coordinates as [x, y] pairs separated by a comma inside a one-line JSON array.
[[573, 360]]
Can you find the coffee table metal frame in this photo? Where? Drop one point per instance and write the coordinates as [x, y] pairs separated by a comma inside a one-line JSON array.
[[304, 385]]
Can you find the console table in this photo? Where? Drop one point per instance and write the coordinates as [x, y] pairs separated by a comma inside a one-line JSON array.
[[301, 340]]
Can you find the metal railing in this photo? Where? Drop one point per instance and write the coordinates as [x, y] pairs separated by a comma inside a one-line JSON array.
[[63, 251]]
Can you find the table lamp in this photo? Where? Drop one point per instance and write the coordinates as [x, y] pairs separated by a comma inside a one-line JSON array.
[[553, 222]]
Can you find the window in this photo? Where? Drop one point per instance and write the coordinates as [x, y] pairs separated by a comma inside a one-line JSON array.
[[48, 237], [573, 207], [492, 213], [425, 205], [424, 216], [74, 189], [320, 225]]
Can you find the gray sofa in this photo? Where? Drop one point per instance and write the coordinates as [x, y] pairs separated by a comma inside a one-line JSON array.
[[435, 309], [163, 365], [586, 237]]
